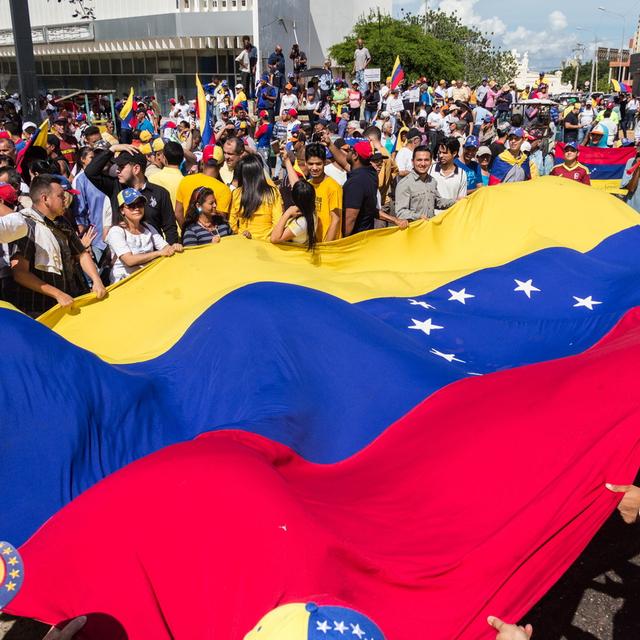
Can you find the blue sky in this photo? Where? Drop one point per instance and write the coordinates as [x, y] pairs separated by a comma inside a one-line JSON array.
[[548, 30]]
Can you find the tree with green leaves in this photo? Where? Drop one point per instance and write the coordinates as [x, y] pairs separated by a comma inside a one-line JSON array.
[[436, 45], [584, 74]]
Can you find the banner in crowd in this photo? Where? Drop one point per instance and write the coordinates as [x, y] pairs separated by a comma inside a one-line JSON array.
[[376, 422], [606, 165]]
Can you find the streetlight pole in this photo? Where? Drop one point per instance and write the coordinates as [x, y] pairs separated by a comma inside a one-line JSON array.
[[624, 27], [25, 61]]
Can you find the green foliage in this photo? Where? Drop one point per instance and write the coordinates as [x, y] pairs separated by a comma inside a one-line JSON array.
[[584, 74], [436, 45]]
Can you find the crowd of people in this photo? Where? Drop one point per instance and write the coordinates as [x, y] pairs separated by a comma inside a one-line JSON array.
[[292, 159]]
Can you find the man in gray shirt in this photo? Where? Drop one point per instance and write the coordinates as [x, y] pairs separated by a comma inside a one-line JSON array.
[[361, 60], [417, 193]]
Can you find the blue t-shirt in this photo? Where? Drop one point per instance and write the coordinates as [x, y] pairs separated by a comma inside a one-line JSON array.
[[145, 125], [263, 103], [474, 174]]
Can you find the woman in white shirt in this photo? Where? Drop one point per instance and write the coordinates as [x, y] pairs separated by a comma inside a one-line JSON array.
[[296, 221], [133, 242]]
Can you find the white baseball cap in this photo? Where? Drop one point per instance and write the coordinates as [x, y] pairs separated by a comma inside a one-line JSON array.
[[27, 125]]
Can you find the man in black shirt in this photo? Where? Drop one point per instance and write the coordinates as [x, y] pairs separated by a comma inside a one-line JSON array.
[[276, 64], [360, 191], [572, 124], [130, 166], [500, 143]]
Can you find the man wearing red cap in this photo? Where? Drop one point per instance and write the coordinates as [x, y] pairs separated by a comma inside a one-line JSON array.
[[12, 227], [360, 202]]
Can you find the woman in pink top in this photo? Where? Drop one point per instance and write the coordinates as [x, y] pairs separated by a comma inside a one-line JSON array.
[[355, 97], [491, 97]]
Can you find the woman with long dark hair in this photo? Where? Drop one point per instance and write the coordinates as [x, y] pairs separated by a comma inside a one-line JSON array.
[[298, 224], [202, 223], [255, 205]]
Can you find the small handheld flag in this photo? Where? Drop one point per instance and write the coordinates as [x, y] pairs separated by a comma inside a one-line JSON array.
[[11, 573], [397, 75], [206, 130], [127, 113], [38, 139], [620, 87]]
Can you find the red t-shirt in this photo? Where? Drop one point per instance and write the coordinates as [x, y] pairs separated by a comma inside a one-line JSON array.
[[578, 172]]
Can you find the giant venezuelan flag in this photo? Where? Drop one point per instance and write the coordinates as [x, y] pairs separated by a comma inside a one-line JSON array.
[[606, 165], [416, 423]]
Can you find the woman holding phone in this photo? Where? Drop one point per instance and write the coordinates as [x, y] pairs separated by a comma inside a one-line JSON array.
[[202, 223]]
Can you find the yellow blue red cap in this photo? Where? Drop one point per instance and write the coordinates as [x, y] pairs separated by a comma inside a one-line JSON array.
[[310, 621]]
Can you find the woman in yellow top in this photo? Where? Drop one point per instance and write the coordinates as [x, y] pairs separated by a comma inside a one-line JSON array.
[[256, 205]]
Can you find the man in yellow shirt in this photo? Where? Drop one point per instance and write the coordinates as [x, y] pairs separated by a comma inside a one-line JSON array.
[[328, 194], [170, 176], [212, 158]]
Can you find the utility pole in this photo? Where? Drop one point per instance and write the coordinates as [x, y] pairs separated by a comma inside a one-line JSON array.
[[578, 49], [25, 61]]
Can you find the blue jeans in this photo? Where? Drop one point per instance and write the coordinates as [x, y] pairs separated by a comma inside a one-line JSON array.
[[360, 79]]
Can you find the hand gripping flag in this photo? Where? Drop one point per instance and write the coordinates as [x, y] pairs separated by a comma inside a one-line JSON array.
[[315, 449], [127, 113], [206, 130], [397, 75]]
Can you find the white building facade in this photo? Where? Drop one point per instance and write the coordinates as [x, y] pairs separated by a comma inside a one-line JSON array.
[[157, 46]]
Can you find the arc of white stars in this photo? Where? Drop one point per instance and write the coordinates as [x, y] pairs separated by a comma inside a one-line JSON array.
[[460, 296], [426, 326], [587, 302], [526, 287]]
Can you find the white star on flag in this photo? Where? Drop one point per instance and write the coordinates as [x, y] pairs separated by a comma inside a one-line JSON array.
[[427, 326], [323, 626], [587, 302], [460, 296], [449, 357], [356, 630], [527, 287], [420, 303], [340, 626]]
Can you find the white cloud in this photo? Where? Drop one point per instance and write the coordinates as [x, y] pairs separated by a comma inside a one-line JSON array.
[[465, 9], [545, 47], [557, 20]]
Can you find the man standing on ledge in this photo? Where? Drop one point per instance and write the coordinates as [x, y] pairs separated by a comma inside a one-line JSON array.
[[361, 60]]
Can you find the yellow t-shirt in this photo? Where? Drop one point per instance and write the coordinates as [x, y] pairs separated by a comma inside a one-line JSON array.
[[259, 225], [189, 184], [328, 198], [169, 178]]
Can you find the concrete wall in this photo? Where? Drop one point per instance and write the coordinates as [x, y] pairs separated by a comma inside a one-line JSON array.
[[50, 13], [334, 19], [276, 20], [175, 24]]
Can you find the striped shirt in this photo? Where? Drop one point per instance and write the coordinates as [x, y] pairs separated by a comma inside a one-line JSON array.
[[195, 234]]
